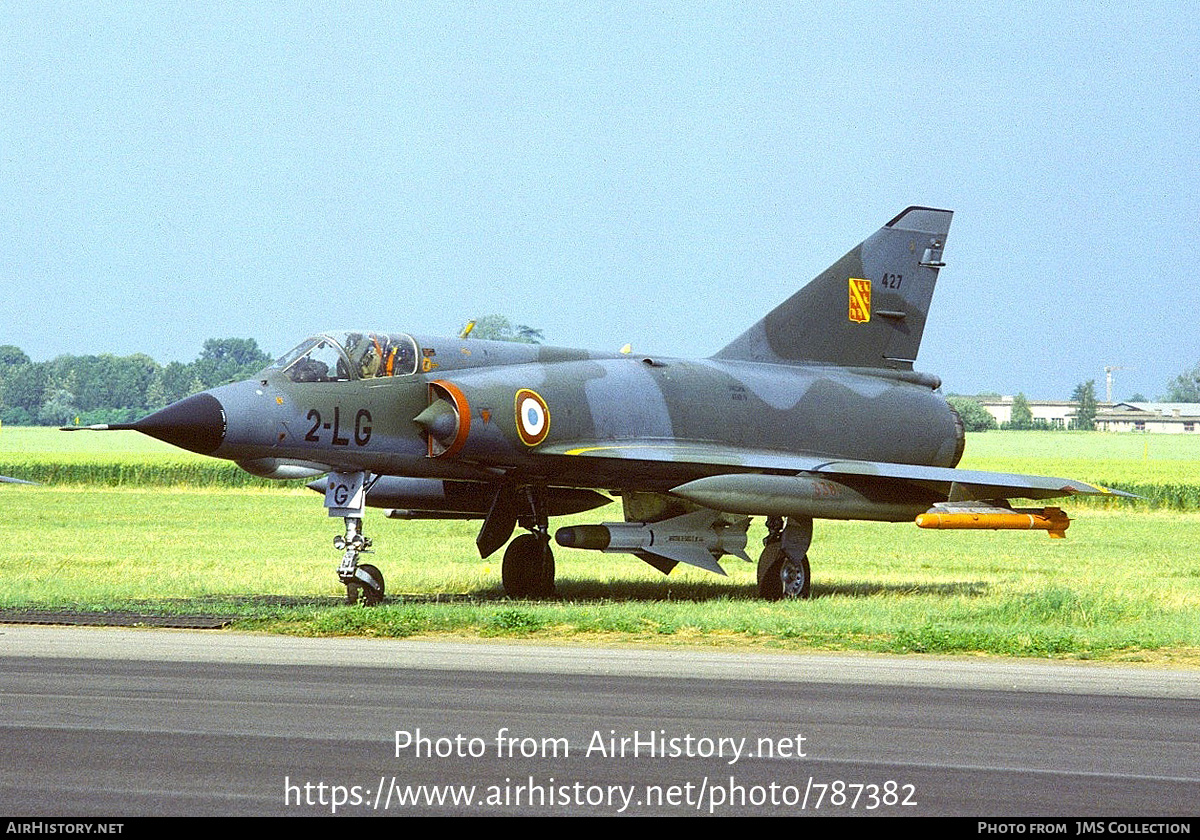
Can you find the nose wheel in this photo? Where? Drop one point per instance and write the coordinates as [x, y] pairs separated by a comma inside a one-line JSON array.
[[367, 586], [364, 582], [346, 496]]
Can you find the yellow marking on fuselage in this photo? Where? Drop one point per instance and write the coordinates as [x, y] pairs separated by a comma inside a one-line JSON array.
[[584, 449]]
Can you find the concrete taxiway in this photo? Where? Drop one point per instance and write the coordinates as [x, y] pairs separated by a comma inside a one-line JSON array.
[[127, 722]]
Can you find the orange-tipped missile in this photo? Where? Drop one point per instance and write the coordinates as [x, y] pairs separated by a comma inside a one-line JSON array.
[[1051, 519]]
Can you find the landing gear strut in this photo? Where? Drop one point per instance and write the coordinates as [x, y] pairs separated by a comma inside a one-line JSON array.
[[363, 582], [528, 568], [783, 570], [345, 496]]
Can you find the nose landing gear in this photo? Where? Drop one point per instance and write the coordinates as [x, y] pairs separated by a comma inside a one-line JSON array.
[[364, 582], [345, 496]]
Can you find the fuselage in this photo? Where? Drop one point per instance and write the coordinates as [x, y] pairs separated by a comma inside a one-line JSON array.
[[474, 410]]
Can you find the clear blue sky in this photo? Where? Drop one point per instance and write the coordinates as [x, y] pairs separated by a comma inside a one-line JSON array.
[[661, 174]]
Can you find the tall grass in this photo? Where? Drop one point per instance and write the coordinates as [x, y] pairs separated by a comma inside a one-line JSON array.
[[1166, 496], [122, 470], [1163, 470]]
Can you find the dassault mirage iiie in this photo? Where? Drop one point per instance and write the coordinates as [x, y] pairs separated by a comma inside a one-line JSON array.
[[815, 412]]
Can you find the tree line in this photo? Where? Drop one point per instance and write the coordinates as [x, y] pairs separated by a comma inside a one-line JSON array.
[[114, 389], [120, 389]]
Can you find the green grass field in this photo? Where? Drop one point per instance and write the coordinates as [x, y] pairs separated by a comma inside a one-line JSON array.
[[1124, 585]]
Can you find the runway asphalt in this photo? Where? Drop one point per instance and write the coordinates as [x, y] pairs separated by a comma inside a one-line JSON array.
[[117, 723]]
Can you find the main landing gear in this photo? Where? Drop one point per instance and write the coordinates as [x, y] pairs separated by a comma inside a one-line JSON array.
[[528, 570], [528, 567], [783, 570]]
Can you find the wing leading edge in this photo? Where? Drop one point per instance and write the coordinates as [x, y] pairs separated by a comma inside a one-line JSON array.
[[952, 484]]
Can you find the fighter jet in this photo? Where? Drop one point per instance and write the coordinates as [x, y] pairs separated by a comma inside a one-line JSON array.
[[814, 412]]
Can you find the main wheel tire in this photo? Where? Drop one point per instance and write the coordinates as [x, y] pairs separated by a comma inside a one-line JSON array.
[[781, 576], [528, 568], [358, 592]]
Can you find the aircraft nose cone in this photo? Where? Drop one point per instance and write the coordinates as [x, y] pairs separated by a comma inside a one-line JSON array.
[[196, 423]]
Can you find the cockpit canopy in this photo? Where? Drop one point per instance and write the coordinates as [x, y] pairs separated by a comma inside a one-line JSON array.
[[342, 356]]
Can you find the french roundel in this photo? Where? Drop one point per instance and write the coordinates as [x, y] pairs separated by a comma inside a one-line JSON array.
[[533, 417]]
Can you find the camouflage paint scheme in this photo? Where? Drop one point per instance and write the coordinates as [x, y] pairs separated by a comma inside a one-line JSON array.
[[814, 412]]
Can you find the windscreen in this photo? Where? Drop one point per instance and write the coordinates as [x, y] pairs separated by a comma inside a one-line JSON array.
[[337, 357]]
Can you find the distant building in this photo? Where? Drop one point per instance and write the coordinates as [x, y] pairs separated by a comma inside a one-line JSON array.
[[1058, 413], [1169, 418]]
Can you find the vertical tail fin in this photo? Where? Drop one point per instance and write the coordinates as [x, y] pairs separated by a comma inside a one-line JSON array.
[[866, 310]]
